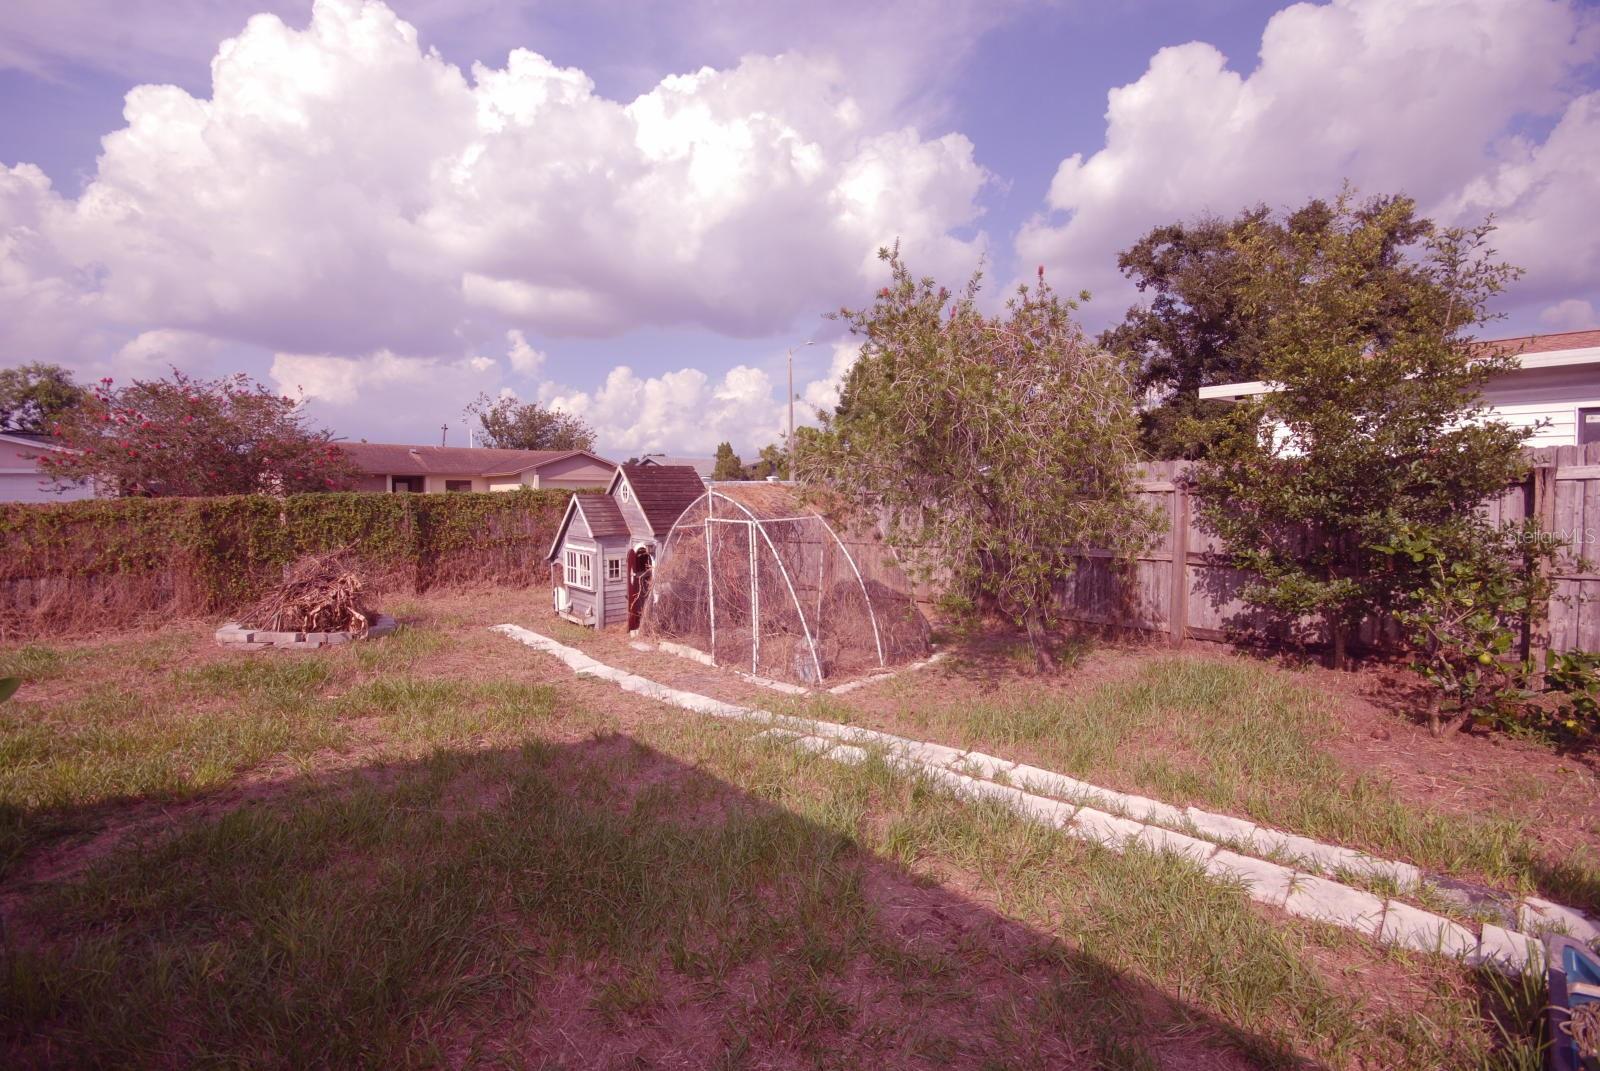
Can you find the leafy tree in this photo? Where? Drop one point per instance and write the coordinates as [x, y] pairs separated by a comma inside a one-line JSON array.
[[728, 466], [774, 461], [186, 436], [1378, 430], [33, 396], [510, 424], [991, 446], [1205, 322]]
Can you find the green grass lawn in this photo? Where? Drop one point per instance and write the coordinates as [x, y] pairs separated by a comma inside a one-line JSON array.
[[443, 850], [136, 722], [1241, 737]]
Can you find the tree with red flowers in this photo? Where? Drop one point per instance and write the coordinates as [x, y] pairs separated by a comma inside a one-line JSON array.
[[185, 436]]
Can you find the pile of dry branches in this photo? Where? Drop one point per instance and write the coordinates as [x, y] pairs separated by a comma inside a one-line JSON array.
[[319, 593]]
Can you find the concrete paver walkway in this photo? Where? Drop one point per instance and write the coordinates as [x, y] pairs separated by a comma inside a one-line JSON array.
[[1300, 877]]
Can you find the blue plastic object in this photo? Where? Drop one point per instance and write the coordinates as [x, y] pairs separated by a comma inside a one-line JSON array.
[[1574, 981]]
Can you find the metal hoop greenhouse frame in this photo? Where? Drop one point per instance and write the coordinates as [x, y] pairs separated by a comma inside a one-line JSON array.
[[758, 524]]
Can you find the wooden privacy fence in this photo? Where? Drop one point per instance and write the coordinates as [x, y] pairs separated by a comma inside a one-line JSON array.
[[1182, 585]]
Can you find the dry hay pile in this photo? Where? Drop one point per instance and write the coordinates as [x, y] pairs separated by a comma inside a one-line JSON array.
[[319, 593]]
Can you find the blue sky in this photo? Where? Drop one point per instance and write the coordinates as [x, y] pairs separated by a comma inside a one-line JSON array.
[[386, 208]]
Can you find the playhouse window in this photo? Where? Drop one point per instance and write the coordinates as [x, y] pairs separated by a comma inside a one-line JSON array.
[[613, 569], [626, 493], [580, 569]]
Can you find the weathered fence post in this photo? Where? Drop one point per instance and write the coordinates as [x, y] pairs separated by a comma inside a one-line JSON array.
[[1542, 511], [1178, 601]]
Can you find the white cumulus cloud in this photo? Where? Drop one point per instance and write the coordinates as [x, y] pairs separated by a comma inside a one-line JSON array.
[[395, 397], [690, 412], [1573, 314], [1410, 97], [525, 360], [155, 353], [679, 412], [822, 395], [345, 190]]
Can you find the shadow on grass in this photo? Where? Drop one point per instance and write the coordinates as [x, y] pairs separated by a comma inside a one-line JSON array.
[[596, 904], [990, 649]]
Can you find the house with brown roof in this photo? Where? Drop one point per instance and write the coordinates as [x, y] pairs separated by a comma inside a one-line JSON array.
[[396, 467], [1553, 392], [605, 548], [705, 466]]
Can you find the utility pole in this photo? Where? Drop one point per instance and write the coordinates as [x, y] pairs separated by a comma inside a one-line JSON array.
[[789, 445], [444, 429]]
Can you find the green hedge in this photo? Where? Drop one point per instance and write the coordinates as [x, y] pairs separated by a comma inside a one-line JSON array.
[[226, 549]]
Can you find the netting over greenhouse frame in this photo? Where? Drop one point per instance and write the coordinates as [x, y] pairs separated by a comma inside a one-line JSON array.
[[761, 583]]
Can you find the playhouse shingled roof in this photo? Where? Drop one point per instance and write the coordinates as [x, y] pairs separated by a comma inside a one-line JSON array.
[[600, 512], [603, 514], [663, 491]]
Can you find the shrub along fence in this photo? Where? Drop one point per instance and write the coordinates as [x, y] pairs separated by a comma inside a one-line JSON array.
[[107, 563], [1183, 586]]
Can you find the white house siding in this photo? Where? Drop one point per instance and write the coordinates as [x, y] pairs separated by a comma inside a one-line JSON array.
[[20, 480], [574, 472], [434, 484], [1526, 397], [28, 486]]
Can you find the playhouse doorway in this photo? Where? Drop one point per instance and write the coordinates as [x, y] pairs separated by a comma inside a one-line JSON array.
[[640, 567]]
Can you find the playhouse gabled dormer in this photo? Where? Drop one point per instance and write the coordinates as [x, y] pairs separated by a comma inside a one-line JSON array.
[[606, 544]]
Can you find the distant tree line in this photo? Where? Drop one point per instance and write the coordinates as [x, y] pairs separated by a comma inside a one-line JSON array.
[[772, 461], [508, 423]]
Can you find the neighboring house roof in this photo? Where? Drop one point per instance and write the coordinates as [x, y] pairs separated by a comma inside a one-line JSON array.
[[602, 514], [1533, 351], [705, 466], [34, 439], [1559, 342], [397, 459], [663, 491]]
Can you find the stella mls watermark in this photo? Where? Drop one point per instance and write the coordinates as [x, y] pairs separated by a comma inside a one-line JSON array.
[[1574, 538]]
